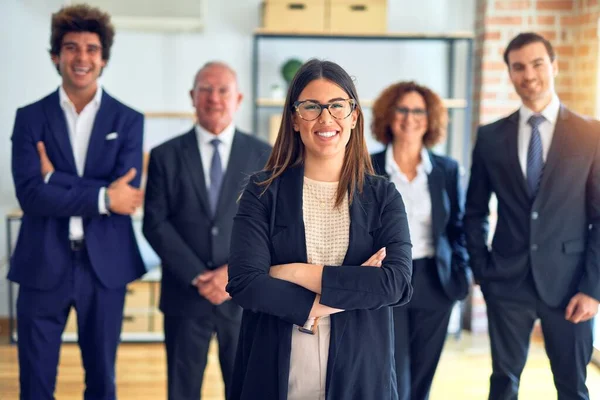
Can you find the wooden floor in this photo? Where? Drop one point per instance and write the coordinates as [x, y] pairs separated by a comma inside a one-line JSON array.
[[463, 373]]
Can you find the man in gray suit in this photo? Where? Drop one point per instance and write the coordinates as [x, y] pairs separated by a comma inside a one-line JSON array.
[[543, 164]]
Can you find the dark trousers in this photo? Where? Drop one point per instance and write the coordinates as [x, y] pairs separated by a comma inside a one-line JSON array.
[[420, 332], [511, 317], [41, 319], [187, 340]]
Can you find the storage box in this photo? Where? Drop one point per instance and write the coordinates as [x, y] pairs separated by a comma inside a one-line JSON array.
[[300, 16], [358, 16]]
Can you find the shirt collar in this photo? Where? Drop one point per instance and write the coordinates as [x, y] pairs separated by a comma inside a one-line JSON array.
[[64, 98], [391, 167], [550, 112], [205, 137]]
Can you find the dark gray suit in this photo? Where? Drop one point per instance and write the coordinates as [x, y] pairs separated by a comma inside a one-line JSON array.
[[179, 225], [544, 250]]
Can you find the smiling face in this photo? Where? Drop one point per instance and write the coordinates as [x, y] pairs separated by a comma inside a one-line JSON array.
[[80, 61], [325, 137], [532, 74], [410, 118], [216, 98]]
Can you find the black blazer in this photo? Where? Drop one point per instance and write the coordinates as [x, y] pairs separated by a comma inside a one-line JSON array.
[[556, 236], [177, 219], [269, 230], [447, 210]]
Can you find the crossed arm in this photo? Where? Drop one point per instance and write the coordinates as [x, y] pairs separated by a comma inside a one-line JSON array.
[[294, 292]]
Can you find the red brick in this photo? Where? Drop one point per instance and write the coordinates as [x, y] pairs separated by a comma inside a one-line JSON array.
[[549, 35], [495, 35], [492, 80], [513, 96], [489, 95], [569, 20], [546, 20], [564, 50], [590, 33], [583, 50], [493, 66], [503, 20], [563, 65], [555, 5], [512, 4]]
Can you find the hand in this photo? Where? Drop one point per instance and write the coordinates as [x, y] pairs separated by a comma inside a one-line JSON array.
[[45, 162], [581, 308], [376, 259], [124, 198], [211, 285]]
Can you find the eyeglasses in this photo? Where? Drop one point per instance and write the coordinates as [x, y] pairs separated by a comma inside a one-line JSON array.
[[223, 91], [310, 110], [418, 113]]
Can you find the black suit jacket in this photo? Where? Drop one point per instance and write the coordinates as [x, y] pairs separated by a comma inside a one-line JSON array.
[[556, 236], [269, 230], [447, 209], [177, 218]]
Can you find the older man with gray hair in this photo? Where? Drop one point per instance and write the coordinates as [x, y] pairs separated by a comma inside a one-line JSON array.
[[193, 183]]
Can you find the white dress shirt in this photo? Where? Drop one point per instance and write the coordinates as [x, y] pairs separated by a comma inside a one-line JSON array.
[[207, 149], [80, 129], [417, 201], [546, 129]]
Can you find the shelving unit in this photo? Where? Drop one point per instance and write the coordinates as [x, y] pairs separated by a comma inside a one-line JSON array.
[[451, 40]]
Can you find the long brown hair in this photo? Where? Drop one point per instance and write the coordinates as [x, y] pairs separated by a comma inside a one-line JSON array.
[[288, 150]]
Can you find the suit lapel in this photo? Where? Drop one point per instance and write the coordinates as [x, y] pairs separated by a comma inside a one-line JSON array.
[[60, 132], [439, 209], [236, 167], [513, 152], [103, 124], [559, 148], [288, 232], [193, 162]]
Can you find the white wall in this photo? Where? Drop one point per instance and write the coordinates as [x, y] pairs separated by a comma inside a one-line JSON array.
[[154, 71]]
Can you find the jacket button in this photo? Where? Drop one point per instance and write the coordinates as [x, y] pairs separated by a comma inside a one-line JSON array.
[[214, 231], [534, 247], [534, 215]]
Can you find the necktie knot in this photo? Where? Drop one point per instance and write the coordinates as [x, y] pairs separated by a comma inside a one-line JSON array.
[[215, 143], [535, 120]]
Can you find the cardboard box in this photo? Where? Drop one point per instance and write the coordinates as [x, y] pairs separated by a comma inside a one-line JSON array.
[[358, 16], [301, 16]]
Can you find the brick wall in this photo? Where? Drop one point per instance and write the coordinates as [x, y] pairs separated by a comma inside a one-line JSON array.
[[570, 25]]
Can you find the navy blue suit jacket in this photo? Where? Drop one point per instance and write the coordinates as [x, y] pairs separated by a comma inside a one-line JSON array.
[[447, 210], [42, 254], [269, 230]]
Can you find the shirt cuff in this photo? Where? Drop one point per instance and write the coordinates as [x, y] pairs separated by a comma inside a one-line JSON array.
[[47, 177], [101, 203]]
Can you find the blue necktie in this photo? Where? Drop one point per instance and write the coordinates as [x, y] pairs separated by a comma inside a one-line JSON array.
[[535, 157], [216, 177]]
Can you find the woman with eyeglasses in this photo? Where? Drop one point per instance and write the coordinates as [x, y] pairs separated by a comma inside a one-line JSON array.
[[320, 251], [409, 119]]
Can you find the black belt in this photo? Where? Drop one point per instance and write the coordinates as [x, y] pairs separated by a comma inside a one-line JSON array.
[[77, 245]]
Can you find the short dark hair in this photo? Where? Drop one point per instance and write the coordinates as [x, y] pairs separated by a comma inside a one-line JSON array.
[[81, 18], [523, 39]]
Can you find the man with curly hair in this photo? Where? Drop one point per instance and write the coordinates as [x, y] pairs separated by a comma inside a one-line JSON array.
[[76, 154]]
